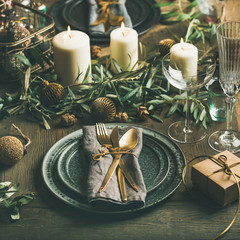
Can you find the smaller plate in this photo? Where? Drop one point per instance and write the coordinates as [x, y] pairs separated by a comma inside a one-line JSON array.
[[72, 165], [71, 168]]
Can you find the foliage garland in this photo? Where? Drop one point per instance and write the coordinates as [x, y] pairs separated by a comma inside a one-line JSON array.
[[128, 89]]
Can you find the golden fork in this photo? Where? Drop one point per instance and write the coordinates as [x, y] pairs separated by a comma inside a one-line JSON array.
[[104, 139]]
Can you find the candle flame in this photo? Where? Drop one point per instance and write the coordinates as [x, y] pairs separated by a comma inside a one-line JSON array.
[[69, 32], [181, 41], [123, 28]]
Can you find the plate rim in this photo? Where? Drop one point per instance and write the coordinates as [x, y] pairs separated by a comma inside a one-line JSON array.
[[81, 206]]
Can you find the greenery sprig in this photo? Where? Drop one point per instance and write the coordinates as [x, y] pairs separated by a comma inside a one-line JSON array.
[[12, 205], [145, 85]]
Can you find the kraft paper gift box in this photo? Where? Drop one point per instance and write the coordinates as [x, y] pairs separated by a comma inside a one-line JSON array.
[[211, 178]]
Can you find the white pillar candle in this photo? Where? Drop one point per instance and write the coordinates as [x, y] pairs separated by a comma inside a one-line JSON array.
[[184, 57], [124, 47], [71, 51]]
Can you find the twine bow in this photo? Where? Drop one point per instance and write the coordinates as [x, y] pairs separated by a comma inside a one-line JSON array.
[[106, 16], [104, 150], [221, 161]]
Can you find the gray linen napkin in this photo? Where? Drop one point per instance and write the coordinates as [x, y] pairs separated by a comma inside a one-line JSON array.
[[116, 9], [110, 197]]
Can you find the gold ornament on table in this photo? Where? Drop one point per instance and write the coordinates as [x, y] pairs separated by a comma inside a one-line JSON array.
[[51, 93], [12, 149], [121, 117], [103, 109], [165, 45]]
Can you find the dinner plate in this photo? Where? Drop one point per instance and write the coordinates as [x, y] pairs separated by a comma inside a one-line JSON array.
[[75, 13], [59, 163], [72, 166]]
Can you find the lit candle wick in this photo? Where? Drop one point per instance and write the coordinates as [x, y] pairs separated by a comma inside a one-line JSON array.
[[123, 29], [182, 45], [69, 32]]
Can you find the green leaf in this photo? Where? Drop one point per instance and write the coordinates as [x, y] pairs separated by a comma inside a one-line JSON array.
[[213, 36], [86, 76], [153, 116], [45, 123], [118, 69], [203, 114], [169, 15], [166, 97], [3, 185], [164, 4], [15, 213], [130, 94], [172, 109], [86, 107], [27, 80], [192, 107], [23, 59], [195, 113], [156, 102], [72, 95]]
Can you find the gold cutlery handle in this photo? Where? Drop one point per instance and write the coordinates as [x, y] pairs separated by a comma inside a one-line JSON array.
[[110, 172], [122, 185]]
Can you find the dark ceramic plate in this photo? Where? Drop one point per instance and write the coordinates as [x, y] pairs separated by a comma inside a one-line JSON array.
[[73, 172], [65, 169], [75, 13]]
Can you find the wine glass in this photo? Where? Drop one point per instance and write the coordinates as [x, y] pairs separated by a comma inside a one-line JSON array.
[[188, 131], [228, 36]]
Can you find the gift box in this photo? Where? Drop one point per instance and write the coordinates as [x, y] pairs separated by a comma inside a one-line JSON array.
[[212, 178]]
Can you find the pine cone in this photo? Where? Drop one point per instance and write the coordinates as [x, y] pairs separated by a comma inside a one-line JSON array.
[[121, 117], [142, 113], [96, 51], [66, 120]]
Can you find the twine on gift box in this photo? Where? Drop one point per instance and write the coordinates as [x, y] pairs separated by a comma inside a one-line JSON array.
[[222, 162]]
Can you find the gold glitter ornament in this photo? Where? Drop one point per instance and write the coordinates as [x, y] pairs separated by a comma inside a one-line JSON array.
[[51, 93], [165, 45], [103, 109], [11, 150]]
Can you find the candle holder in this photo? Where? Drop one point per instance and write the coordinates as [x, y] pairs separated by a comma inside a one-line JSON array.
[[32, 41], [188, 131]]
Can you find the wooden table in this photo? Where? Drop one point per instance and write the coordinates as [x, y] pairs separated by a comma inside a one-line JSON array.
[[180, 216]]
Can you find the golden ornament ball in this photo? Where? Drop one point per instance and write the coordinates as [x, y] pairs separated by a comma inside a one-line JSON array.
[[103, 109], [11, 150], [165, 45], [51, 93]]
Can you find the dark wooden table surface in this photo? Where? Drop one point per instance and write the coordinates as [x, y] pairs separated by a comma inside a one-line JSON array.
[[180, 216]]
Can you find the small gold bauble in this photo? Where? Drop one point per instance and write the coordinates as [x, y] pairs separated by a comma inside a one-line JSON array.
[[165, 45], [103, 109], [11, 150], [51, 93]]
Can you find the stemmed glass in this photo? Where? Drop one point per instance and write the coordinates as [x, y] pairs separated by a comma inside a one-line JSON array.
[[228, 36], [188, 131]]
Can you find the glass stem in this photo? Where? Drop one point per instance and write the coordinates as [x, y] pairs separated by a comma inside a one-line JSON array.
[[187, 119], [230, 101]]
